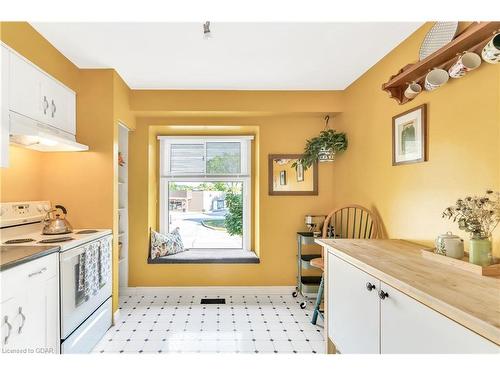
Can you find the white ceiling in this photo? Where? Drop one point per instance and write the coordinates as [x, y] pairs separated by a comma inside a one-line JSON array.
[[239, 56]]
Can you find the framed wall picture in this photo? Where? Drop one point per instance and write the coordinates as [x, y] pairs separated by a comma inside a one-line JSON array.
[[286, 179], [409, 136]]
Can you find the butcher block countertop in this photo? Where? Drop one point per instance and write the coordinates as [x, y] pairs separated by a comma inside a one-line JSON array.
[[469, 299]]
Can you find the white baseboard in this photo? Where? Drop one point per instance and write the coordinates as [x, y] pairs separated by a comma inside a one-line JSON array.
[[208, 290], [116, 316]]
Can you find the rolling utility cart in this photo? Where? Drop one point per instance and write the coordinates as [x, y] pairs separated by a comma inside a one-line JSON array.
[[307, 286]]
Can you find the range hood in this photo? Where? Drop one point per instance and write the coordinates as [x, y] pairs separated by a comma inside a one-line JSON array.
[[28, 133]]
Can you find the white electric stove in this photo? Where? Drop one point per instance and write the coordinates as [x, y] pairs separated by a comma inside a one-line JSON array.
[[84, 318], [21, 224]]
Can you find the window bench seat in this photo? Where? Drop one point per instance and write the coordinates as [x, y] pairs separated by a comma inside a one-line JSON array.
[[208, 256]]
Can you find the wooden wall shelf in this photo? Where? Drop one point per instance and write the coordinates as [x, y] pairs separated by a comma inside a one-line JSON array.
[[472, 39]]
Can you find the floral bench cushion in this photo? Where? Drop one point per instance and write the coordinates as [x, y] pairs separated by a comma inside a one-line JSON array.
[[166, 244]]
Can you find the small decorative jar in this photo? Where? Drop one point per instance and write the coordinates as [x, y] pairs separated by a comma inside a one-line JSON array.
[[480, 251], [450, 245]]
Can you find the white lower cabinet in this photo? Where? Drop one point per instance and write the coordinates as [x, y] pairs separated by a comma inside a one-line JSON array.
[[353, 309], [407, 326], [29, 306], [366, 315]]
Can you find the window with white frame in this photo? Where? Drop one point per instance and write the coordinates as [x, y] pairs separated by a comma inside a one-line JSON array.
[[205, 190]]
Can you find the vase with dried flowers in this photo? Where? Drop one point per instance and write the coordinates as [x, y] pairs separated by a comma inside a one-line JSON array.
[[478, 216]]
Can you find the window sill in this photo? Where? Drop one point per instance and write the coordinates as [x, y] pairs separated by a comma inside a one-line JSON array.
[[223, 256]]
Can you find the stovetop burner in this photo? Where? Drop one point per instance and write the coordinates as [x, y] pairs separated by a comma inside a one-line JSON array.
[[58, 239], [18, 240], [87, 231]]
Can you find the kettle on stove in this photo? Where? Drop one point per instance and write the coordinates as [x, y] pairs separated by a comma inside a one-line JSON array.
[[54, 223]]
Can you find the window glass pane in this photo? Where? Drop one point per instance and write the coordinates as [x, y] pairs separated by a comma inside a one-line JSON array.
[[223, 157], [208, 214], [187, 158]]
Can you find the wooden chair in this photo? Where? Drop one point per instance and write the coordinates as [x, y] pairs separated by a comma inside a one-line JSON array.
[[351, 221]]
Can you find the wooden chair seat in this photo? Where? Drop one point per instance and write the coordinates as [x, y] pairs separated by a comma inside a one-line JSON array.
[[318, 263]]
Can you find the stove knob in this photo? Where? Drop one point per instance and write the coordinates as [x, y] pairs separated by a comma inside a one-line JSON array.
[[40, 208], [46, 208], [2, 211]]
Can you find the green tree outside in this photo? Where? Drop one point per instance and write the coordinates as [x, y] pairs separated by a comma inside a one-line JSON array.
[[224, 164], [234, 218]]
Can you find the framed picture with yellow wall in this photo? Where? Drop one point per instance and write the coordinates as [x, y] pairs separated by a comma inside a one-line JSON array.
[[285, 179], [409, 136]]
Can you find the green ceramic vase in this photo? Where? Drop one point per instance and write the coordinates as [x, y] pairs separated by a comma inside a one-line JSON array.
[[480, 251]]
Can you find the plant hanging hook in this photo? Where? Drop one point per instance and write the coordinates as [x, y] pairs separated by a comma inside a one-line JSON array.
[[327, 118]]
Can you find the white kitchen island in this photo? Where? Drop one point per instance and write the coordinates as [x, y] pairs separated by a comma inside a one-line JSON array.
[[383, 297]]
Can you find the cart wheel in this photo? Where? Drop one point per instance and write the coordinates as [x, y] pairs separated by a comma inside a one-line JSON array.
[[303, 305], [295, 294]]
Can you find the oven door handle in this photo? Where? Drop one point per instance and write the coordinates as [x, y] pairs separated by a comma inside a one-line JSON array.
[[73, 253]]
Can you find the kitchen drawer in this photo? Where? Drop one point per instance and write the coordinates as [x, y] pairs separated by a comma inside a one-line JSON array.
[[37, 270], [85, 337]]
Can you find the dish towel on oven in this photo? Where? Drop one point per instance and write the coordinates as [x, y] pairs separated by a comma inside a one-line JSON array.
[[104, 260], [88, 277]]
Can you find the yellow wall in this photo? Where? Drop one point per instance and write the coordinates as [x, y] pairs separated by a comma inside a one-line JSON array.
[[21, 181], [278, 218], [464, 156], [22, 37], [84, 182], [250, 103], [121, 115], [464, 144]]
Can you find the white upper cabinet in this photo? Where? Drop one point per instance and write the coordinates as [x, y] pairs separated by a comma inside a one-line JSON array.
[[61, 107], [25, 90], [36, 95], [4, 105]]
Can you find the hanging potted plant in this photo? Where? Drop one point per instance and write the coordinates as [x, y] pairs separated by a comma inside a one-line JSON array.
[[324, 147]]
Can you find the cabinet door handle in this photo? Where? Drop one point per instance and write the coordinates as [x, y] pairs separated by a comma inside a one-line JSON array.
[[383, 295], [23, 321], [370, 286], [54, 108], [38, 272], [45, 105], [9, 326]]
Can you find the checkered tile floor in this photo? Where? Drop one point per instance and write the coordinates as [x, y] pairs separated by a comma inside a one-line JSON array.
[[245, 324]]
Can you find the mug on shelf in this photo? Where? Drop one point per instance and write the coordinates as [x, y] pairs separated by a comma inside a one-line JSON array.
[[491, 51], [435, 79], [413, 90], [465, 63]]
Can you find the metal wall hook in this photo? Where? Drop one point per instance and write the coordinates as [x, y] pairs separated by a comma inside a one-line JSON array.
[[327, 119]]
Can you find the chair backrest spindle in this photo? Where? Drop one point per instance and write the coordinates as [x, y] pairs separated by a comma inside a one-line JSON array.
[[358, 220]]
